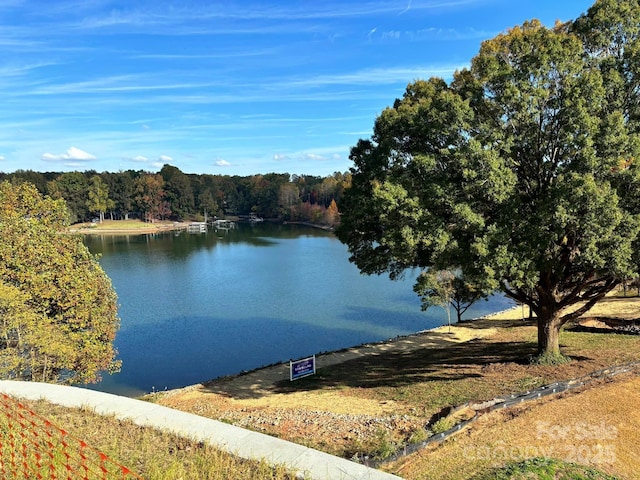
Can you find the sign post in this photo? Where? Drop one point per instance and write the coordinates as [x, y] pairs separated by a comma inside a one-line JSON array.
[[302, 368]]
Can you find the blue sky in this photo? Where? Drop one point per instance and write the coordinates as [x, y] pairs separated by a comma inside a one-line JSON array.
[[233, 87]]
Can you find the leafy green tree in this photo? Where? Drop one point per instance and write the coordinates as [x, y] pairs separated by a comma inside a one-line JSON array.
[[207, 203], [178, 191], [74, 189], [58, 310], [121, 191], [99, 201], [505, 175], [36, 178]]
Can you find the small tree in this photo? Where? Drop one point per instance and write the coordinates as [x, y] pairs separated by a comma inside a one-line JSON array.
[[332, 215], [436, 289], [446, 289]]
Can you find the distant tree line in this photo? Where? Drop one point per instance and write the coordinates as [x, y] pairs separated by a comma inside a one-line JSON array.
[[173, 195]]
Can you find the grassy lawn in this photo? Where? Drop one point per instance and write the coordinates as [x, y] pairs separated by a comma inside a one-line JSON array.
[[121, 225]]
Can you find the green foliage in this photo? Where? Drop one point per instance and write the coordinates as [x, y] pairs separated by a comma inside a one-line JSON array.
[[187, 196], [418, 435], [73, 187], [442, 425], [178, 191], [99, 201], [384, 447], [545, 469], [522, 174], [547, 358], [58, 308]]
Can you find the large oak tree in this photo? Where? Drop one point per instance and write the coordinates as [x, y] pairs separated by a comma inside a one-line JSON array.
[[522, 173], [58, 310]]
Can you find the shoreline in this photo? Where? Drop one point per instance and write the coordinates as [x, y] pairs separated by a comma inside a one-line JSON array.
[[263, 380], [85, 229]]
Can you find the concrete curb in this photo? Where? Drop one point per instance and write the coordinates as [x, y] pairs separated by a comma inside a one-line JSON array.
[[310, 463]]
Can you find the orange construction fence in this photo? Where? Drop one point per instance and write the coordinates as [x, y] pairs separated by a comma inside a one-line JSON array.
[[32, 447]]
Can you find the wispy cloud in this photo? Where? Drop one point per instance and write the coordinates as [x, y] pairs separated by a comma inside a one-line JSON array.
[[436, 33], [115, 84], [165, 158], [375, 76], [222, 163], [196, 18], [167, 13]]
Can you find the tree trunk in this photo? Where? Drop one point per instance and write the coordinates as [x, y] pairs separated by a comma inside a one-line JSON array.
[[549, 335]]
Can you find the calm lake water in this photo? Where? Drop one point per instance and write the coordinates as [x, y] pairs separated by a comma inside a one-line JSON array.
[[199, 306]]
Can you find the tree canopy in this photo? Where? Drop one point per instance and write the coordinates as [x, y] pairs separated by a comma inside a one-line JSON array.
[[172, 194], [522, 173], [58, 309]]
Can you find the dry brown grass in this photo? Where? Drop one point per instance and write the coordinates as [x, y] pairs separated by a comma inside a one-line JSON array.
[[597, 426], [153, 454]]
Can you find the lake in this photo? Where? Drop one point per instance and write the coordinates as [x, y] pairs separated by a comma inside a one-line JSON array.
[[194, 307]]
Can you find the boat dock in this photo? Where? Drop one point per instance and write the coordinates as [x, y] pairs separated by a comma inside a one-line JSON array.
[[197, 227], [223, 224]]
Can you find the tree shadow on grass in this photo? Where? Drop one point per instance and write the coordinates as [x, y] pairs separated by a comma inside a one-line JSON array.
[[401, 362], [403, 368]]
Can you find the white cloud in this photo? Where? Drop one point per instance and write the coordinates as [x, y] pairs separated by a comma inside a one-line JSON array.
[[165, 158], [313, 156], [72, 154], [140, 158], [279, 157], [223, 163], [1, 158]]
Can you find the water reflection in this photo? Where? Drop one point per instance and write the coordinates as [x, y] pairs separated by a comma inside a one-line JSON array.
[[198, 306]]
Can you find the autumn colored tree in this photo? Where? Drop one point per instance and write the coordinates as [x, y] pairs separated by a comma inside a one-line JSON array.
[[523, 172], [150, 197], [58, 310], [332, 215]]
